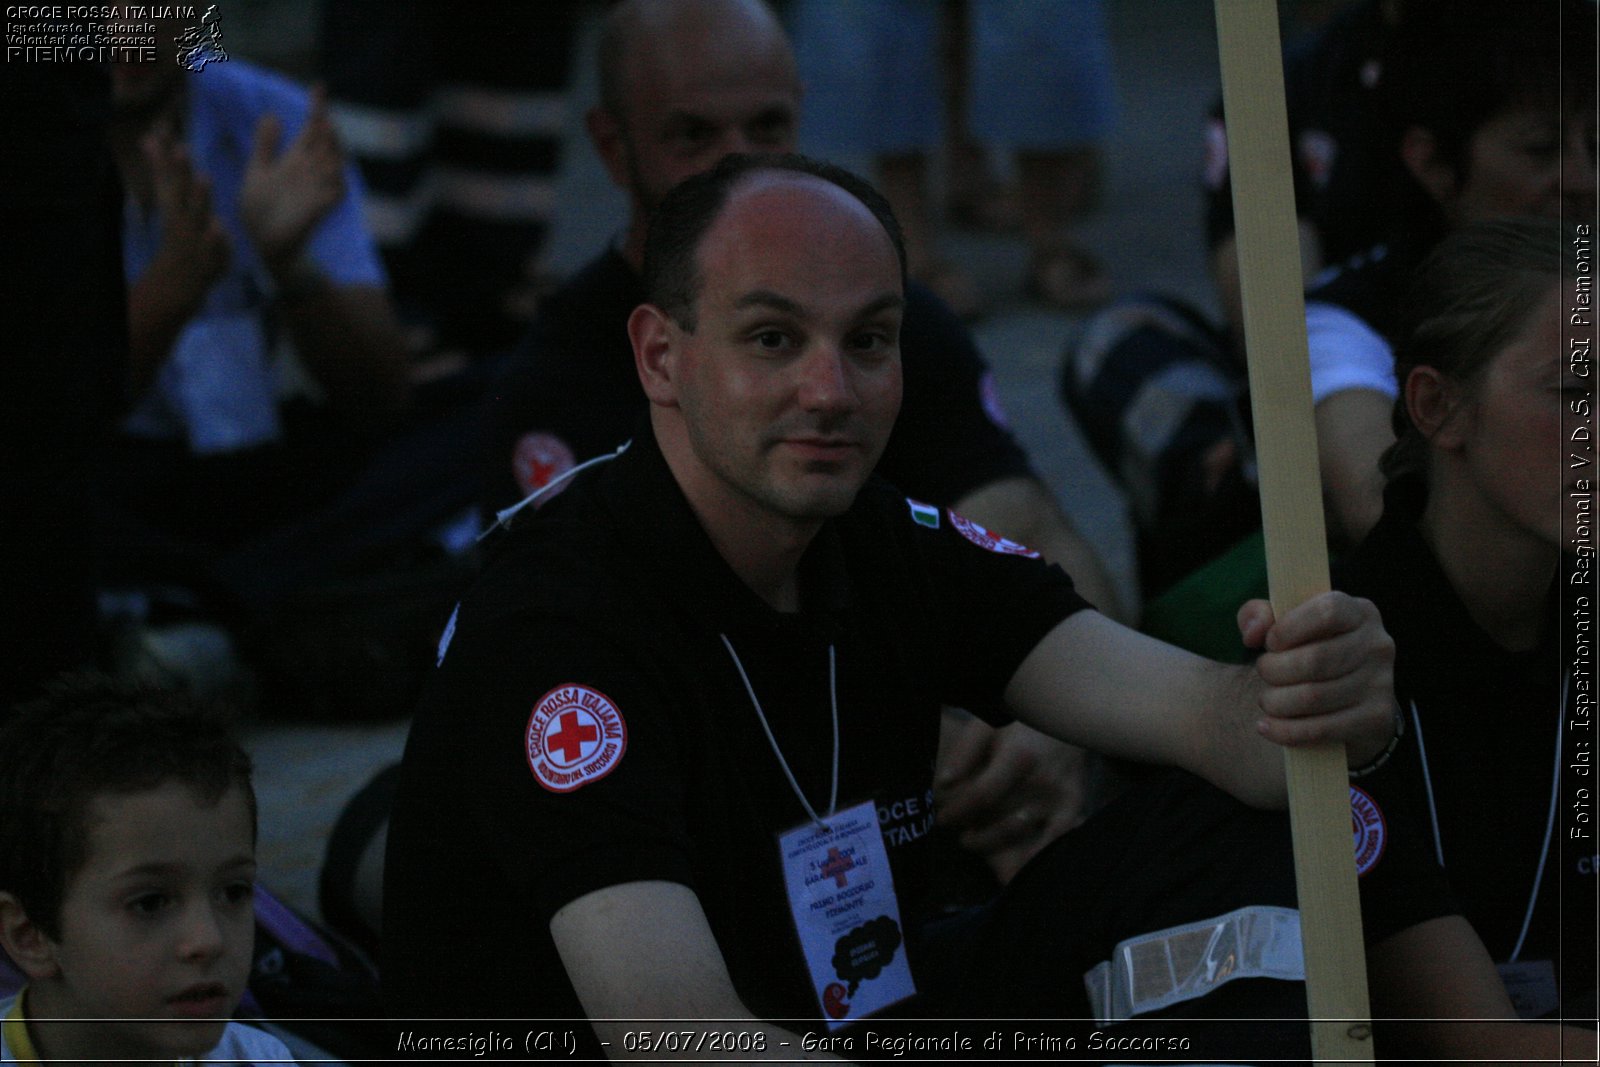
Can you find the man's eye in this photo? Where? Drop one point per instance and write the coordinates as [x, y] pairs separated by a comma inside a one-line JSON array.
[[772, 340]]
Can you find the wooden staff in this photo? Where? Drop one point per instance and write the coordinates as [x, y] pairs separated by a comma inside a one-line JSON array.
[[1291, 505]]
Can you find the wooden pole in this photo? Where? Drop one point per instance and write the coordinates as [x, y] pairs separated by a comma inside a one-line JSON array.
[[1291, 505]]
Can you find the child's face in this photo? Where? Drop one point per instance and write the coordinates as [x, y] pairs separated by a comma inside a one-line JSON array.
[[157, 924]]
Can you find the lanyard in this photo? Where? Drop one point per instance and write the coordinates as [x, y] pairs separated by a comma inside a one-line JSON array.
[[833, 700], [1549, 826]]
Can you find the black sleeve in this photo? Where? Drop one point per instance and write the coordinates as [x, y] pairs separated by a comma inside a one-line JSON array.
[[989, 602], [1402, 883], [617, 817], [568, 393], [951, 437]]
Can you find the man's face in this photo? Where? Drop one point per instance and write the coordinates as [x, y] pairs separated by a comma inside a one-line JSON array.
[[157, 925], [693, 98], [1527, 160], [789, 385]]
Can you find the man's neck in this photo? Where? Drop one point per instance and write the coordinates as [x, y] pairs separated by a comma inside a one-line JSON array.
[[762, 548]]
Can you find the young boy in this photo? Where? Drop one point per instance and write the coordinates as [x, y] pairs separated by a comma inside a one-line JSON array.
[[127, 865]]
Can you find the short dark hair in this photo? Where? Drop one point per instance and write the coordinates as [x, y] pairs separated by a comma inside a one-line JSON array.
[[1473, 295], [88, 736], [679, 223], [1452, 65]]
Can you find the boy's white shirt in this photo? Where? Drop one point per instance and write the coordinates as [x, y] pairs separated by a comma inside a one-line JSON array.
[[240, 1043]]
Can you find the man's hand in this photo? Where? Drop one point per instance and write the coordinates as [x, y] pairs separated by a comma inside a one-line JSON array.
[[1327, 673], [194, 249], [1006, 793], [286, 194]]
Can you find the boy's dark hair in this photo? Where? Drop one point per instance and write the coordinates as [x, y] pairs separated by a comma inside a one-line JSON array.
[[85, 737], [680, 222], [1474, 295]]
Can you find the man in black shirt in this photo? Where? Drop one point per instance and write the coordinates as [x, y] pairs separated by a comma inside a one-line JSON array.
[[682, 84], [679, 749]]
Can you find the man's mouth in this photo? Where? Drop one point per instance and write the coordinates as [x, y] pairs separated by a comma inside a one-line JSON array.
[[824, 448]]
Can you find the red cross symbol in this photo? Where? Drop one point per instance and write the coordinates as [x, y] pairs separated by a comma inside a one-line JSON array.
[[835, 866], [571, 738]]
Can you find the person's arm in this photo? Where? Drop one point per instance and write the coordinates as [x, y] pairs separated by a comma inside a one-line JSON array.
[[1326, 675], [1353, 430], [193, 253], [1007, 793], [347, 335], [644, 951], [1439, 974]]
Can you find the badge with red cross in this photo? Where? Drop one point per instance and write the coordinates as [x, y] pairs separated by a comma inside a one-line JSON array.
[[575, 736]]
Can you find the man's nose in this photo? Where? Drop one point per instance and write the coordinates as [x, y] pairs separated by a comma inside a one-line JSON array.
[[825, 383]]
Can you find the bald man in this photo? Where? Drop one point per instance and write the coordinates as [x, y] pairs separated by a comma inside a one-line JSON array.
[[682, 84]]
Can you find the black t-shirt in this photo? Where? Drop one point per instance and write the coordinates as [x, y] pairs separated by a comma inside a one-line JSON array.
[[1490, 721], [613, 594], [571, 393]]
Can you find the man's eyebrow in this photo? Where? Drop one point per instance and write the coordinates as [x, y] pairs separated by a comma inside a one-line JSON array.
[[766, 298]]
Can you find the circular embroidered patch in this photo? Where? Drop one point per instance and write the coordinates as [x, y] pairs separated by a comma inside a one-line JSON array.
[[538, 459], [575, 736], [1371, 832], [984, 539]]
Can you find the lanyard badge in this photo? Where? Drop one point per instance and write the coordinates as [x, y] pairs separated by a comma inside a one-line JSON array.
[[841, 894]]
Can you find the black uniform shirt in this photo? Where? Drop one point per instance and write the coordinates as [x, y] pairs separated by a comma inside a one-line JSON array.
[[571, 393], [615, 589], [1489, 729]]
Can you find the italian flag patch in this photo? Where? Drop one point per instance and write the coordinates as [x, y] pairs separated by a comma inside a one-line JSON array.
[[924, 514]]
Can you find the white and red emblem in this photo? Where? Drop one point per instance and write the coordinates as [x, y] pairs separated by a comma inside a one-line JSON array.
[[1371, 832], [575, 736], [984, 539], [538, 459]]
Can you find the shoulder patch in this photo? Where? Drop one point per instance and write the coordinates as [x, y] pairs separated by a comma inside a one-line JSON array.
[[924, 514], [575, 736], [540, 458], [1370, 829], [984, 539]]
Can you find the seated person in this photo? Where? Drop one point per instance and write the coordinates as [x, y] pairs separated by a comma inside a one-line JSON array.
[[1486, 110], [1472, 573], [242, 239], [1490, 111], [683, 83], [127, 866], [678, 753]]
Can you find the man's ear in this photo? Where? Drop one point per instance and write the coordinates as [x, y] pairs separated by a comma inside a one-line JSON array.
[[1432, 401], [24, 942], [1419, 151], [610, 143], [655, 340]]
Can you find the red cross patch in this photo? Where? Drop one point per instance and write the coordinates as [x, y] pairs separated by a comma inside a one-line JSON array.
[[538, 459], [575, 736], [991, 541]]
